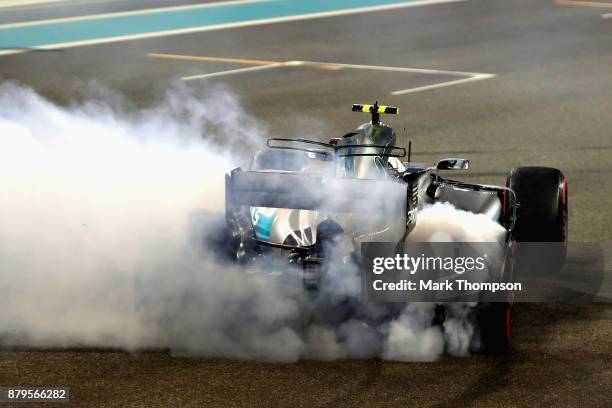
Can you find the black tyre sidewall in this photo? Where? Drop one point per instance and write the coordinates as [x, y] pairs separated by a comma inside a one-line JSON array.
[[541, 193]]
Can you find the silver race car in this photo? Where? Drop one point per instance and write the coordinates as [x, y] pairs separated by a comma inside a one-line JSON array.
[[304, 204]]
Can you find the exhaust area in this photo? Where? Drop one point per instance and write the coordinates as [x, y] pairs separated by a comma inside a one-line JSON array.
[[98, 206]]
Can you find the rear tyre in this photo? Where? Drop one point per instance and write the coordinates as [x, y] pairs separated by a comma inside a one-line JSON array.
[[541, 193], [494, 321]]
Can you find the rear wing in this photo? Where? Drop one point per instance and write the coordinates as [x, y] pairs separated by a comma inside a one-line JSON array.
[[299, 191]]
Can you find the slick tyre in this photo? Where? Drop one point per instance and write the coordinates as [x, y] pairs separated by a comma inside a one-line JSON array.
[[542, 198], [494, 321]]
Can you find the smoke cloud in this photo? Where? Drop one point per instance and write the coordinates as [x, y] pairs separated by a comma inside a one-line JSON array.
[[110, 236]]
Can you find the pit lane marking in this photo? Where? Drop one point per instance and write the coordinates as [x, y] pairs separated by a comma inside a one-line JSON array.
[[260, 65]]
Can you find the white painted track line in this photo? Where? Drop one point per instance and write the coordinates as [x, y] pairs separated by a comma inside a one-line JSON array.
[[470, 76], [18, 3], [231, 72], [467, 76], [399, 69], [474, 78]]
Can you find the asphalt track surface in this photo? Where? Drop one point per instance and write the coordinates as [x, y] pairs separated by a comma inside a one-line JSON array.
[[548, 104]]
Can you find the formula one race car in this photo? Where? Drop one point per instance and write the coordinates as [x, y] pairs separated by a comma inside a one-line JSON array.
[[301, 197]]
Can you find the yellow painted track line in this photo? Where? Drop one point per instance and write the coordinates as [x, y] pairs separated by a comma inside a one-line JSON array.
[[213, 59], [328, 67], [594, 4]]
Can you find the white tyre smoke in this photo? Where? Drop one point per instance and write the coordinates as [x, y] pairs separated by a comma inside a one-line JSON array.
[[94, 199]]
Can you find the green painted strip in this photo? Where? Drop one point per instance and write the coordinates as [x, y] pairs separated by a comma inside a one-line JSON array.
[[164, 21]]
